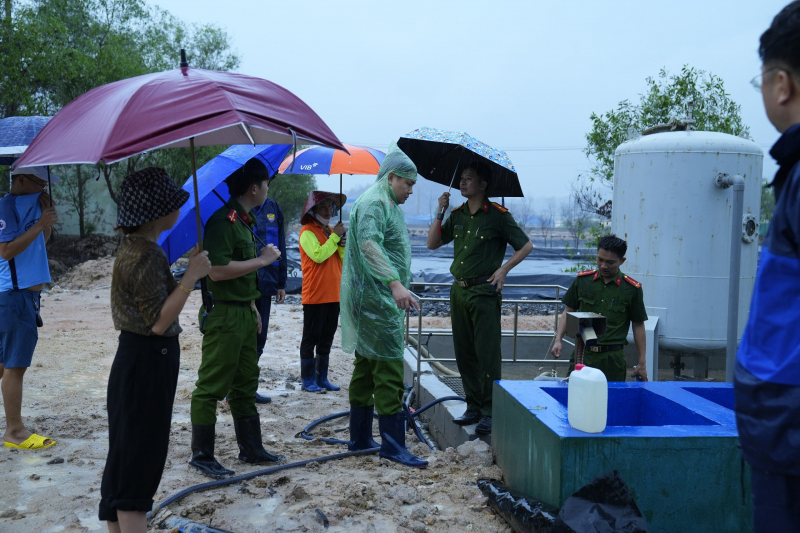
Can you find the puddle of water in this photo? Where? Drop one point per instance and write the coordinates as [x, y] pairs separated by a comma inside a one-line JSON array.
[[54, 529], [48, 475], [92, 383], [258, 513], [90, 522]]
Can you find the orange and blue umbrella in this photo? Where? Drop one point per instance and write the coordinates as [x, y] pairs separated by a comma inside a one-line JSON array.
[[325, 160]]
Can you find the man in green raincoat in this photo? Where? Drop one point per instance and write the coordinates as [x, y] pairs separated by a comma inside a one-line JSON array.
[[374, 298]]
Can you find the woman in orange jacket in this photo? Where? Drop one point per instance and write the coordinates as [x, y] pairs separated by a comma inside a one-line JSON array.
[[321, 254]]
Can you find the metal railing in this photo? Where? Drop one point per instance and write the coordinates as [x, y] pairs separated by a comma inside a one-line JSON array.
[[515, 333]]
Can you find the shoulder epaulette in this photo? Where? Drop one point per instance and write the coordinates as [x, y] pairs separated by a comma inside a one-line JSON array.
[[456, 208], [499, 207], [232, 216], [633, 282], [586, 273]]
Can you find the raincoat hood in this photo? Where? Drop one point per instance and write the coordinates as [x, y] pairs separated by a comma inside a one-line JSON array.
[[317, 197]]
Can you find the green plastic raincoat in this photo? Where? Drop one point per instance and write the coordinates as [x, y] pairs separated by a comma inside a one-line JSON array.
[[378, 252]]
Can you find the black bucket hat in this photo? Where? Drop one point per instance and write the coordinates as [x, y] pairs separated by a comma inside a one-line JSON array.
[[147, 195]]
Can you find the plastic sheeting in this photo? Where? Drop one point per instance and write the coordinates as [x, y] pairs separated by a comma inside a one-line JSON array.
[[524, 515], [378, 251], [603, 505]]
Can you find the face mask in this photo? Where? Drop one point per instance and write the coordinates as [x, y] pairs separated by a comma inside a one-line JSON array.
[[324, 221]]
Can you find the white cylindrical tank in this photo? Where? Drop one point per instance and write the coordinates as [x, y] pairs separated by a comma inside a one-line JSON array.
[[678, 226]]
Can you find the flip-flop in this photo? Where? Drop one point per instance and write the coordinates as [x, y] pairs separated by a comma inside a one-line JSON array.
[[34, 442]]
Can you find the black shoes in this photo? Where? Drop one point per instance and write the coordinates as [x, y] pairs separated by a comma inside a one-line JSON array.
[[468, 418], [393, 441], [261, 399], [248, 435], [361, 429], [203, 453], [484, 427]]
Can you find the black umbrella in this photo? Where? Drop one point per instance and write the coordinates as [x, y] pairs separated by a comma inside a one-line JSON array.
[[441, 155]]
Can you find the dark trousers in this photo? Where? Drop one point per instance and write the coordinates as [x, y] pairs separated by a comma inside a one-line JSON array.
[[319, 327], [475, 316], [141, 391], [264, 305], [776, 502]]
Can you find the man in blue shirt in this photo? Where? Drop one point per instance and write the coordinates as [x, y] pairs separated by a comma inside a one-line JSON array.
[[26, 220], [767, 376], [271, 278]]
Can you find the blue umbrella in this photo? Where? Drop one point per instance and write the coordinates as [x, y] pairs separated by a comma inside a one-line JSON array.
[[183, 236], [16, 133]]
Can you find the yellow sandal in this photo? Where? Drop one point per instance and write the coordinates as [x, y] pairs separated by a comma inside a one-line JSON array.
[[34, 442]]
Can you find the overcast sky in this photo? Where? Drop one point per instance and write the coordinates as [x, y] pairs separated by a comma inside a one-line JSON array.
[[521, 76]]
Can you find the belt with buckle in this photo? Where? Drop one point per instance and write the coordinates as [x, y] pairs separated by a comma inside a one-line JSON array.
[[464, 283], [248, 303], [601, 349]]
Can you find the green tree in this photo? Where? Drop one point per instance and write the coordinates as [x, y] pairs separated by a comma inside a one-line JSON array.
[[667, 100], [291, 192], [52, 51]]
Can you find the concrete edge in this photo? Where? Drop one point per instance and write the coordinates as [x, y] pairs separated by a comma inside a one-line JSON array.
[[440, 416]]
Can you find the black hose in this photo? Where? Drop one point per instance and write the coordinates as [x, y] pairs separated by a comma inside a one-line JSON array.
[[244, 477], [414, 425], [303, 434]]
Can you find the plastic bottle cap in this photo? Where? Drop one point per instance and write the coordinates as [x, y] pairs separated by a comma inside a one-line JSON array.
[[579, 366]]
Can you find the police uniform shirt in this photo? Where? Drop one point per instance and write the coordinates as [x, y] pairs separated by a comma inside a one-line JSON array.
[[621, 301], [226, 240], [480, 239]]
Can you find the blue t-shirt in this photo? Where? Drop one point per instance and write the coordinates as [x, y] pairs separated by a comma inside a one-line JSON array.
[[30, 267]]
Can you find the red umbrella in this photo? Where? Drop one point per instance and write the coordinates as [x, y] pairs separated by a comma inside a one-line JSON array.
[[171, 109]]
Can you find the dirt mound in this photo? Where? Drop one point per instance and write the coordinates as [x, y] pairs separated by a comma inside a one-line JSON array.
[[69, 250], [89, 275]]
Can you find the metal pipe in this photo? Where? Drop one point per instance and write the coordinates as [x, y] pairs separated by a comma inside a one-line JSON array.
[[516, 320], [723, 181]]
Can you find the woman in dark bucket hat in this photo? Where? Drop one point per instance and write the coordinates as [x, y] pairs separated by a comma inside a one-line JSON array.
[[145, 304]]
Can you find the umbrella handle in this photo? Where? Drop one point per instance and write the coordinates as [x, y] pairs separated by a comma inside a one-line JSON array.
[[208, 298]]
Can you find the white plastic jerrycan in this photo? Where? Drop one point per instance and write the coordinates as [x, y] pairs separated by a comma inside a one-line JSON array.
[[587, 399]]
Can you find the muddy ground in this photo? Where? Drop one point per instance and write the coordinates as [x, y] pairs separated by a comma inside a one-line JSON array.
[[57, 489]]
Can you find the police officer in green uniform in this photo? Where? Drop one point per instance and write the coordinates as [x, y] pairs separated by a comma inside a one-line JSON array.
[[229, 364], [609, 292], [480, 230]]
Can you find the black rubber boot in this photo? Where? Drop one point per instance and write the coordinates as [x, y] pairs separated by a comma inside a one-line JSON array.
[[308, 375], [322, 374], [361, 429], [393, 441], [203, 453], [251, 449]]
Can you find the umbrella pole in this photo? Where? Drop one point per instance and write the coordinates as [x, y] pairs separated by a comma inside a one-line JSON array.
[[340, 198], [208, 301], [49, 186], [196, 198], [440, 216]]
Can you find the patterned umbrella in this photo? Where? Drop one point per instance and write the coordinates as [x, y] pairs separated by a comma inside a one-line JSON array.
[[440, 155], [324, 160], [16, 133]]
